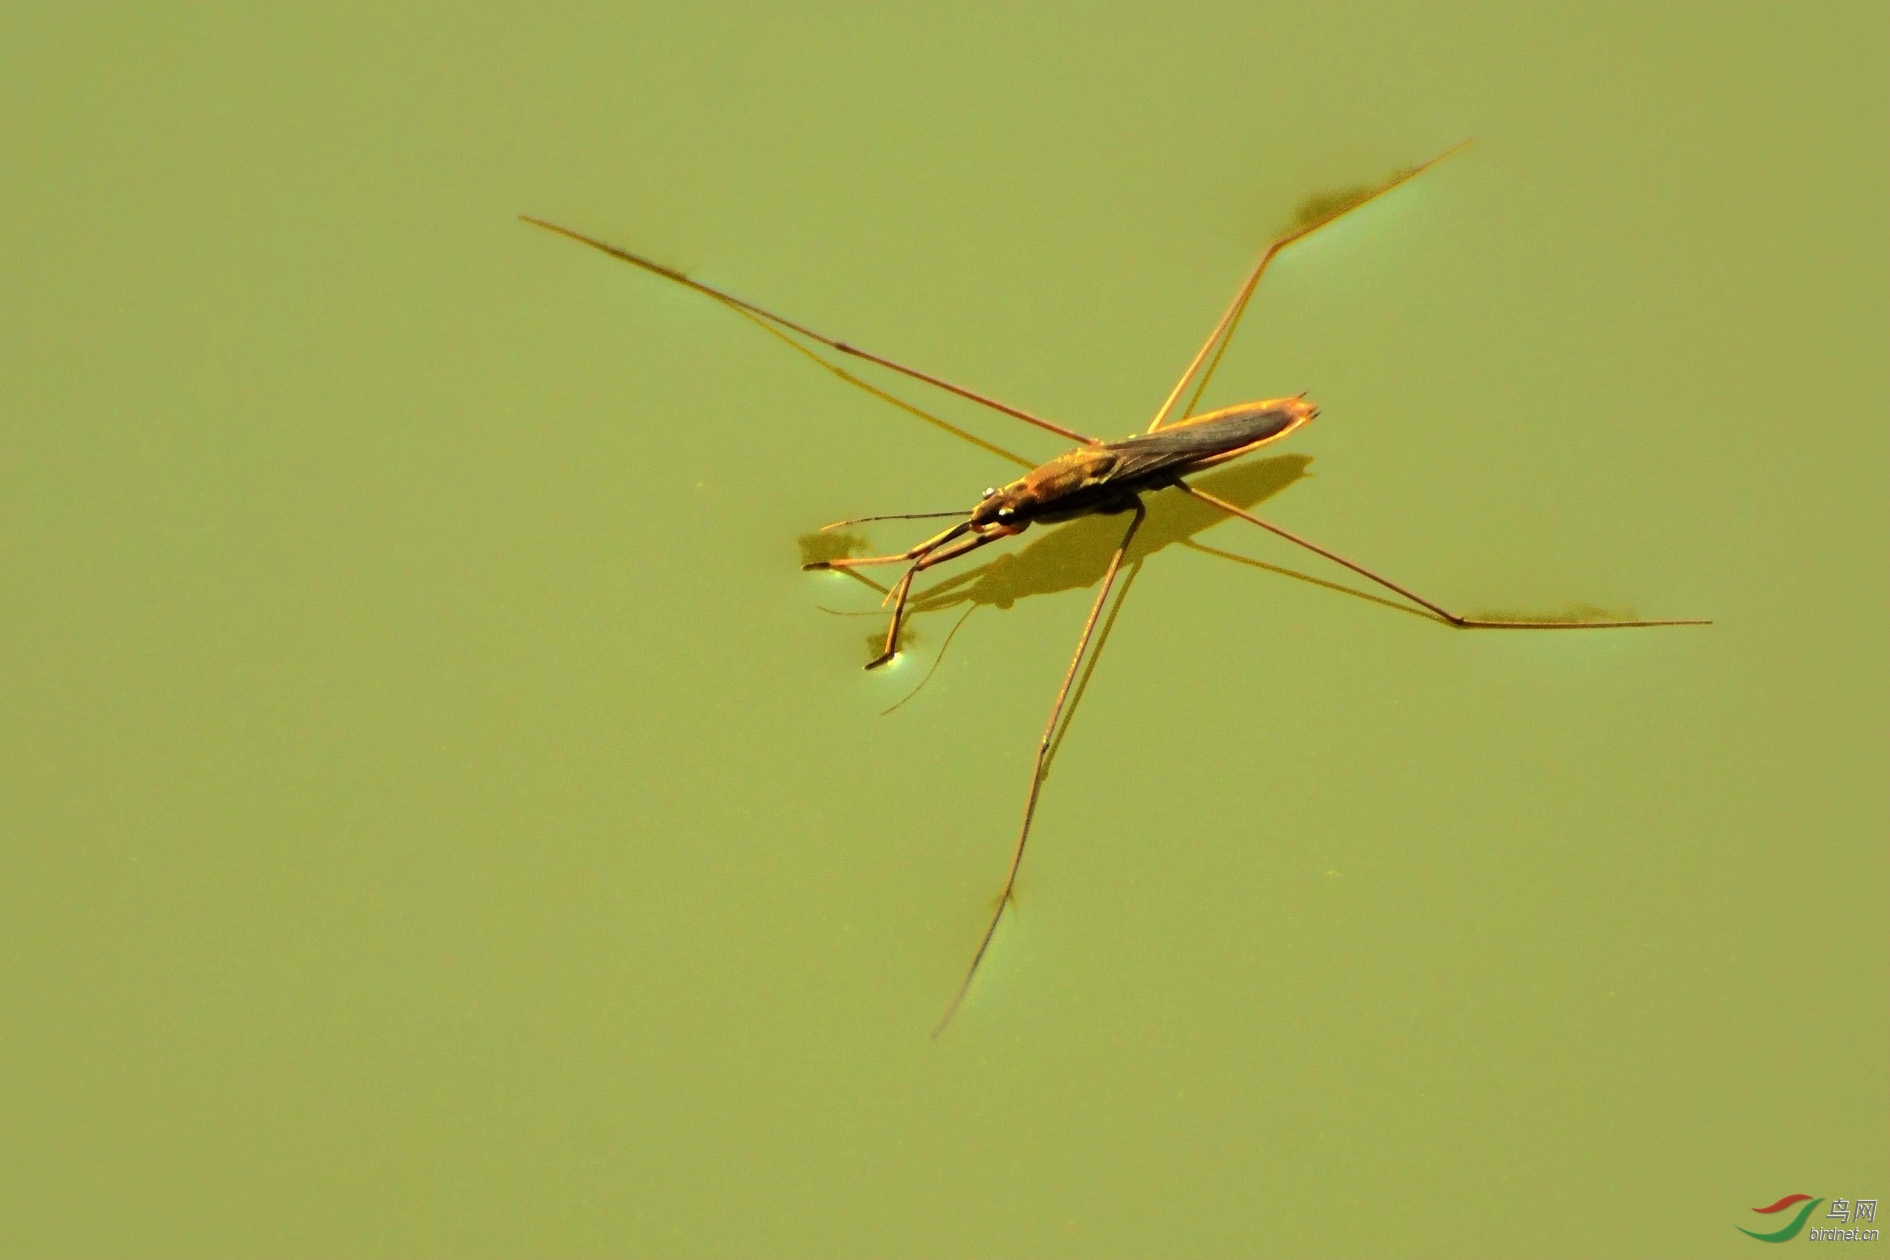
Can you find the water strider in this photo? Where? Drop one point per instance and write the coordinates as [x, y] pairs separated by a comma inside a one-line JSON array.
[[1099, 477]]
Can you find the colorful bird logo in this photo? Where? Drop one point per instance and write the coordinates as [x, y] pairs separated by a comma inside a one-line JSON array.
[[1790, 1231]]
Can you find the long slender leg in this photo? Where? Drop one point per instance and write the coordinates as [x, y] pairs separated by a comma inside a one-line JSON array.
[[937, 555], [1036, 769], [1282, 571], [740, 304], [1466, 623], [1081, 689], [1320, 217], [867, 387]]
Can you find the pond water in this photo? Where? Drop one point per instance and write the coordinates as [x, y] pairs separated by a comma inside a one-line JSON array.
[[441, 817]]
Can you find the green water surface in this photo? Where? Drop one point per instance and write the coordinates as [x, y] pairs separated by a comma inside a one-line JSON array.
[[439, 818]]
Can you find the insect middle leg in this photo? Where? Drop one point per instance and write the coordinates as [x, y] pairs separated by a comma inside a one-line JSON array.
[[1037, 766], [1224, 330]]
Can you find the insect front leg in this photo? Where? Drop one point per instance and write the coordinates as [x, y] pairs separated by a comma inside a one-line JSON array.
[[939, 555], [915, 553]]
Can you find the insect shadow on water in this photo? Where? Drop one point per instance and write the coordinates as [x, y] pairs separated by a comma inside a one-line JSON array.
[[1075, 556], [1094, 486]]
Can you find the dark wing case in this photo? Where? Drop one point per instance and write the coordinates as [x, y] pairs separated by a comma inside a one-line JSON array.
[[1147, 457]]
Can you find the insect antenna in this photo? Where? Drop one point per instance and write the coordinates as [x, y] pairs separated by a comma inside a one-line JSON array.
[[896, 516]]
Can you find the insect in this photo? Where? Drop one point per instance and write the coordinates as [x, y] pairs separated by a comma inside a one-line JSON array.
[[1099, 477]]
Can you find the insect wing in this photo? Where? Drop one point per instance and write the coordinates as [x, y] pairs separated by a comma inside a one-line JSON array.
[[1177, 447]]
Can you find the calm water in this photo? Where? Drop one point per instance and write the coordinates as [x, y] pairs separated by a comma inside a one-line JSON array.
[[440, 819]]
